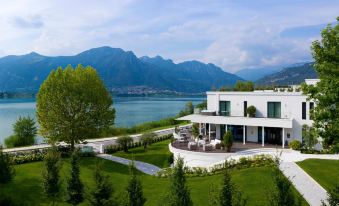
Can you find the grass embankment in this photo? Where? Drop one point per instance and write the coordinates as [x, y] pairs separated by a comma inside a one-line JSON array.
[[25, 189], [325, 172], [156, 154], [145, 127]]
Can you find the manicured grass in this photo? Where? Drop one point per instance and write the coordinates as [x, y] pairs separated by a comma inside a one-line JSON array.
[[156, 154], [325, 172], [255, 183]]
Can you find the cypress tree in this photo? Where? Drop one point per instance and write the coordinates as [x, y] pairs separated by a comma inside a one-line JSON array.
[[179, 194], [75, 187], [102, 193], [229, 194], [332, 197], [283, 194], [6, 167], [50, 175], [134, 189]]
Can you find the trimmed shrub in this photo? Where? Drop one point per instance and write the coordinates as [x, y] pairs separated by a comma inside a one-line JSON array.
[[147, 139], [125, 142], [115, 148], [295, 145], [251, 110]]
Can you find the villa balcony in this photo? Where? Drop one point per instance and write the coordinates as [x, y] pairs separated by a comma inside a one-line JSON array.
[[235, 120]]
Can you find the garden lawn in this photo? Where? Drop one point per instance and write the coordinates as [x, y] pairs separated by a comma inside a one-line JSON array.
[[156, 154], [255, 183], [325, 172]]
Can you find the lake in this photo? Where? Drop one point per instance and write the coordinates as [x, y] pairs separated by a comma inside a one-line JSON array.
[[129, 110]]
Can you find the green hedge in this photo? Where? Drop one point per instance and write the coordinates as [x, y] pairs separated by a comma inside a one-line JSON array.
[[39, 155], [243, 162], [115, 148]]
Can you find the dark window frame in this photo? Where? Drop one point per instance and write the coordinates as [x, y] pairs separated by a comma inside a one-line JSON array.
[[245, 108], [303, 110], [274, 113], [225, 110]]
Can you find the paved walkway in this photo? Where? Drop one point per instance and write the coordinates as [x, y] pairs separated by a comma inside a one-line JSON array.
[[142, 166], [305, 184], [93, 142]]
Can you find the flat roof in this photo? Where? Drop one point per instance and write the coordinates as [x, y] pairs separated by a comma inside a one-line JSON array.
[[248, 121], [257, 93]]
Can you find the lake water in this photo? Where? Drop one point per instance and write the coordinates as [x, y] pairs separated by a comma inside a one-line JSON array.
[[129, 110]]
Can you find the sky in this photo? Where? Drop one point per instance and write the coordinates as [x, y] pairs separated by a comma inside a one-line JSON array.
[[234, 34]]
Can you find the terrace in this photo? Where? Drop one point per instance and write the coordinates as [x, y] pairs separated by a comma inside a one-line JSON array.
[[184, 140]]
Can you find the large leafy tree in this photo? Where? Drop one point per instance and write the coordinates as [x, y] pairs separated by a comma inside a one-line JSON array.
[[73, 104], [326, 92]]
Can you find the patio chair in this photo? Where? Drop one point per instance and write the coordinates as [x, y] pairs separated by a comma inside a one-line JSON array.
[[192, 146]]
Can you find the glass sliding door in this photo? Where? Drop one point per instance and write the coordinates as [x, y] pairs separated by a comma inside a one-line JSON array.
[[225, 108], [274, 109]]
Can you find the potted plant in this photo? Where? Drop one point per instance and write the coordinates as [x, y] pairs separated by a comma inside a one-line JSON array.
[[251, 110], [228, 141]]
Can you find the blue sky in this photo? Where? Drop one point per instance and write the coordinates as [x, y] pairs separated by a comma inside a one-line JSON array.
[[230, 34]]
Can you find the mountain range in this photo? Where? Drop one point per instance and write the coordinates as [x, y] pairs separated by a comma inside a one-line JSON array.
[[290, 75], [119, 70], [124, 73], [257, 73]]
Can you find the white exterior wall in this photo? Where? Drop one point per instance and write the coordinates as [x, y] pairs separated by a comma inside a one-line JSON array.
[[291, 107], [252, 134]]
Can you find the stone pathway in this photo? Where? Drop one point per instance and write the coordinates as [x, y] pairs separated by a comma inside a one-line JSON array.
[[142, 166], [305, 184]]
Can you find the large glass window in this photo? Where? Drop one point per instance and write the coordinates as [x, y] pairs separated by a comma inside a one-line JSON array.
[[225, 108], [274, 109]]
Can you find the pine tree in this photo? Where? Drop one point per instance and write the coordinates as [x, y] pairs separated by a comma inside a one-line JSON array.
[[75, 187], [50, 175], [332, 197], [225, 197], [283, 194], [6, 167], [179, 194], [229, 194], [134, 189], [102, 193]]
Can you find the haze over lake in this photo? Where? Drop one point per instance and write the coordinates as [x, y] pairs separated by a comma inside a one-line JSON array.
[[129, 110]]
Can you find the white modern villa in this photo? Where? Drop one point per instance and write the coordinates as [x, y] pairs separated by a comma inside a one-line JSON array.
[[279, 117]]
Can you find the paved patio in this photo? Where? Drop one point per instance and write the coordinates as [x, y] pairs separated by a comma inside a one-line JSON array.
[[237, 147]]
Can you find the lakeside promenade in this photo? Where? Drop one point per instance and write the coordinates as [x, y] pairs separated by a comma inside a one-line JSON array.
[[95, 143]]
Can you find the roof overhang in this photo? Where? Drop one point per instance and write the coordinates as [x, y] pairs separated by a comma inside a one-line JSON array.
[[248, 121]]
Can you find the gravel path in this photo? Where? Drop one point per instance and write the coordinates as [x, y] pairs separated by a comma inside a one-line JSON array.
[[305, 184], [142, 166]]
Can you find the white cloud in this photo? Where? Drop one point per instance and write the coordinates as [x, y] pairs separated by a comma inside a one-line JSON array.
[[231, 34]]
